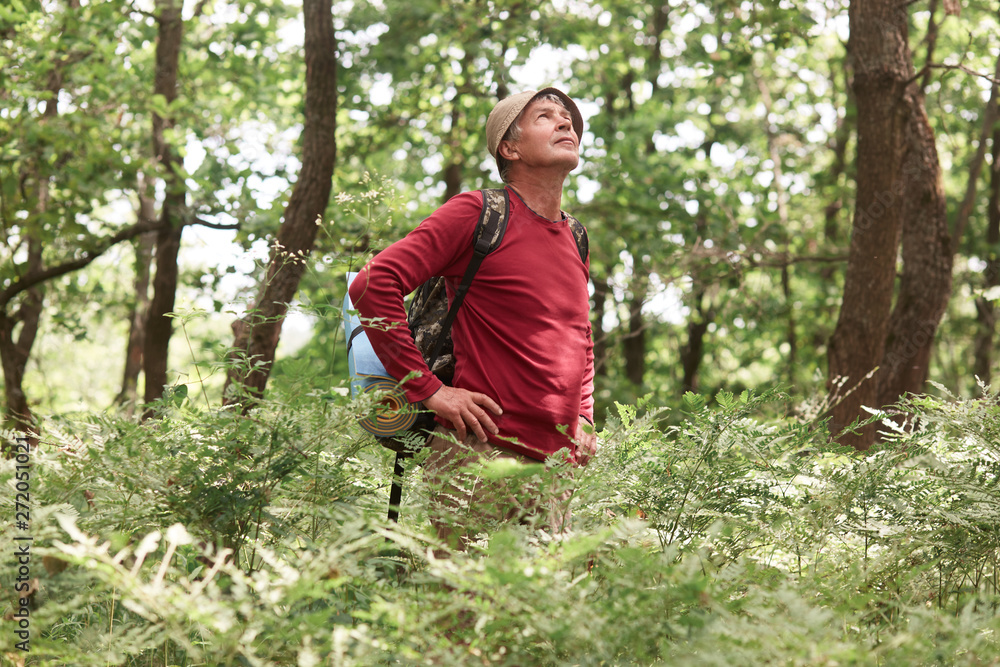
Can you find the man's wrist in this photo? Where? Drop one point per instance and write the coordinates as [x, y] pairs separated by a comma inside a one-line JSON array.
[[420, 395]]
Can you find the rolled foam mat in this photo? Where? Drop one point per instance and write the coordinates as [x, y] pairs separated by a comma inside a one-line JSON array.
[[368, 375]]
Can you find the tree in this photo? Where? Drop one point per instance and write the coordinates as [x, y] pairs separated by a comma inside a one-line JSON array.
[[925, 283], [59, 166], [227, 90], [882, 65], [985, 302], [693, 170], [716, 170], [139, 310], [79, 95], [257, 334], [884, 355], [159, 326], [985, 309]]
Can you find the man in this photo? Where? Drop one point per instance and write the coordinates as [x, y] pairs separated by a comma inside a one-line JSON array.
[[523, 352]]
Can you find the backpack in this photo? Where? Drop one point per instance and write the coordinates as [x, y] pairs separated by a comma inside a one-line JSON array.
[[430, 317]]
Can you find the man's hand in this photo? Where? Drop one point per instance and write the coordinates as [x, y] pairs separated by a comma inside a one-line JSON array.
[[586, 441], [466, 410]]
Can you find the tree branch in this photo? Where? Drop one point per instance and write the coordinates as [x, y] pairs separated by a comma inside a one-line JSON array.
[[142, 12], [199, 8], [932, 33], [967, 70], [990, 113], [74, 58], [213, 225], [781, 261], [777, 260], [33, 278]]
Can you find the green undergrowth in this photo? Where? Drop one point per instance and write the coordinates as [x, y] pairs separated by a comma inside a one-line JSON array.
[[717, 536]]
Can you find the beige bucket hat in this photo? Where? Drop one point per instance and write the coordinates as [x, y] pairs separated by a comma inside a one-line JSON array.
[[508, 109]]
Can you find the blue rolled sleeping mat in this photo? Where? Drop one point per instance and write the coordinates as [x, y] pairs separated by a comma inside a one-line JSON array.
[[369, 375]]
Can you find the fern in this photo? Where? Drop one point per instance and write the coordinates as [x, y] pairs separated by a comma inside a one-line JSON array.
[[724, 535]]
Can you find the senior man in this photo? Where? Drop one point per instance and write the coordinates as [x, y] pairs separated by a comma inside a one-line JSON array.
[[524, 364]]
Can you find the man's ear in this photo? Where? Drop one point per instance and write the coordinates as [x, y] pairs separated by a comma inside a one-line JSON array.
[[507, 150]]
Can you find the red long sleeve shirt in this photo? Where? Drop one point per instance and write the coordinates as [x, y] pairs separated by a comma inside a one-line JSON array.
[[522, 335]]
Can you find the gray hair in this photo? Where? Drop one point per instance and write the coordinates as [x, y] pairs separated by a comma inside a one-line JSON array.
[[513, 133]]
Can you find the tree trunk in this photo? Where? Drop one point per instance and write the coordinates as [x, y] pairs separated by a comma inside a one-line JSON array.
[[925, 286], [832, 225], [882, 65], [14, 354], [257, 334], [831, 212], [453, 180], [140, 308], [791, 336], [928, 249], [159, 327], [781, 197], [454, 170], [17, 412], [634, 343], [986, 309], [601, 349], [694, 349]]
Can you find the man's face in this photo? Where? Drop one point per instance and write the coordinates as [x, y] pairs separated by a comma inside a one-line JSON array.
[[547, 137]]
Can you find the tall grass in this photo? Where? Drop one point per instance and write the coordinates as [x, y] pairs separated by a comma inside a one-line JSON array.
[[718, 536]]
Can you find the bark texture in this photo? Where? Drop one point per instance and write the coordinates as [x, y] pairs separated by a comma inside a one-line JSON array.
[[925, 285], [16, 349], [140, 308], [257, 334], [159, 327], [693, 349], [881, 62], [881, 355]]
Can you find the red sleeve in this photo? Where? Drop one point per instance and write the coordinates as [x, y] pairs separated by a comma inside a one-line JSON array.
[[440, 246]]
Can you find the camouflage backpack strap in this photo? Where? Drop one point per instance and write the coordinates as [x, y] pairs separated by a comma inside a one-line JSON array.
[[580, 234], [485, 239], [492, 221]]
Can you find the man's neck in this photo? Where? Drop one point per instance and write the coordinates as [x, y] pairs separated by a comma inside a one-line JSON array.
[[541, 195]]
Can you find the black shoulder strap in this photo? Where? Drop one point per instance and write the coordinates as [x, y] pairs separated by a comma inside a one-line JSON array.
[[486, 238]]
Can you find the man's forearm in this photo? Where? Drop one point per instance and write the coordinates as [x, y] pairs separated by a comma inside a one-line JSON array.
[[382, 314]]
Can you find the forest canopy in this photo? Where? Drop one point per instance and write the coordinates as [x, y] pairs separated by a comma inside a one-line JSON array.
[[717, 183]]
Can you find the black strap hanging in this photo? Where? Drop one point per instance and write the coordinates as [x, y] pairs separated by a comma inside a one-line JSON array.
[[488, 233]]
